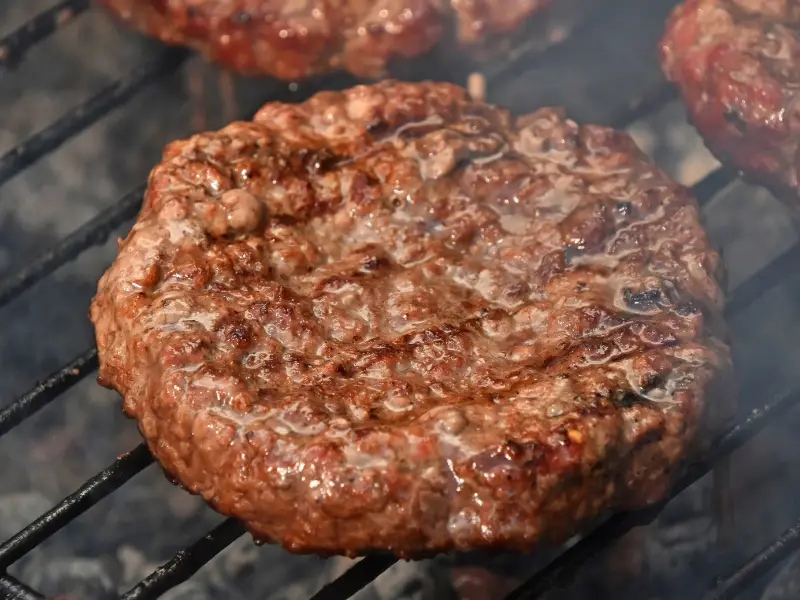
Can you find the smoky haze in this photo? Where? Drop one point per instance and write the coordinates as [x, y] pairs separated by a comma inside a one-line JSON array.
[[123, 538]]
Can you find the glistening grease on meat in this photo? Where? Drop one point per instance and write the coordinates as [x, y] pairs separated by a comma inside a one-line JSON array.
[[396, 318]]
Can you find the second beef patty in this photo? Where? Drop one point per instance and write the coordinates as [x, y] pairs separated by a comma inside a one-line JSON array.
[[737, 64], [294, 39]]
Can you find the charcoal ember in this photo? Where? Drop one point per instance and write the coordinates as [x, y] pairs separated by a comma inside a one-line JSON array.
[[295, 586], [134, 566], [241, 572], [73, 578], [293, 591], [786, 584], [669, 558]]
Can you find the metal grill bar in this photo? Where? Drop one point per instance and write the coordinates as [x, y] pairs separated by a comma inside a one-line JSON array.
[[562, 568], [14, 46], [93, 233], [759, 564], [47, 390], [94, 490], [355, 578], [11, 589], [80, 117], [187, 562], [764, 280]]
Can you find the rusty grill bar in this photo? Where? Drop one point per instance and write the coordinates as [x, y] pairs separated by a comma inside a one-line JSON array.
[[186, 562]]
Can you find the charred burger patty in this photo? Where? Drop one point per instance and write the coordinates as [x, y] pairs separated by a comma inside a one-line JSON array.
[[394, 318]]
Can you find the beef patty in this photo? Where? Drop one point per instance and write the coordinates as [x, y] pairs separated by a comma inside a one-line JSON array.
[[394, 318], [292, 39], [737, 64]]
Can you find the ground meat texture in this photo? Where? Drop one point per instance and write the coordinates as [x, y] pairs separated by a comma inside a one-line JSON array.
[[395, 318], [737, 64], [293, 39]]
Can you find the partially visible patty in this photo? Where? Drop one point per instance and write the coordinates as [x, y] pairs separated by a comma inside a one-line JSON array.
[[737, 64], [293, 39], [394, 318]]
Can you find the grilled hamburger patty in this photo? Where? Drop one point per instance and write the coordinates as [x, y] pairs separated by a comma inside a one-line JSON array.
[[292, 39], [394, 318], [737, 64]]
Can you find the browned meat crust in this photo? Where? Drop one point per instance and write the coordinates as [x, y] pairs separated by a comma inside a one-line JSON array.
[[737, 64], [393, 318], [293, 39]]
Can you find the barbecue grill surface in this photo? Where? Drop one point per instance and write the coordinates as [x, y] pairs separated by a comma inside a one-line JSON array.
[[77, 433]]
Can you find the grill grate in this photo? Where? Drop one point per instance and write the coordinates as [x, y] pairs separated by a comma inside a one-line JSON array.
[[728, 588], [94, 490], [47, 390], [186, 562], [93, 233], [87, 113]]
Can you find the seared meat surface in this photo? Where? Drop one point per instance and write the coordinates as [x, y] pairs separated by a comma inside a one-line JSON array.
[[395, 318], [737, 64], [293, 39]]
